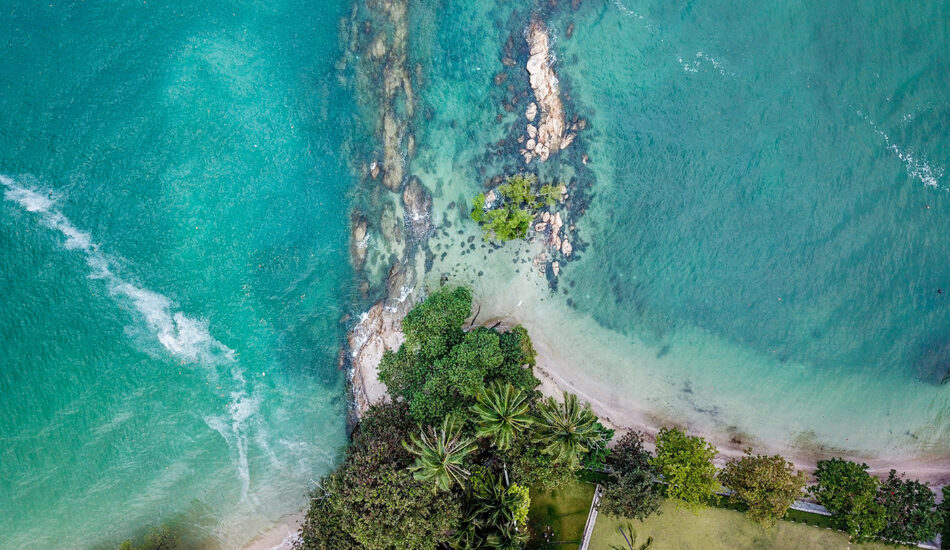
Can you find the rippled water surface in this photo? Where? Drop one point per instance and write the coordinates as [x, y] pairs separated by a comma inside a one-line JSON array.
[[169, 257]]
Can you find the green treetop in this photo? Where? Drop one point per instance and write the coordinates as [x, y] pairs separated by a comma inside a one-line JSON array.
[[848, 491], [566, 430], [685, 464], [767, 484]]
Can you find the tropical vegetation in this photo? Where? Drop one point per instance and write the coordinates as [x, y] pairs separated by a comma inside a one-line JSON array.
[[849, 492], [908, 510], [767, 485], [684, 463], [631, 490], [453, 460], [515, 205]]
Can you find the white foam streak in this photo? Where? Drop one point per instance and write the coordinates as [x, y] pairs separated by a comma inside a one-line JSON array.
[[233, 429], [185, 338], [916, 167], [182, 336]]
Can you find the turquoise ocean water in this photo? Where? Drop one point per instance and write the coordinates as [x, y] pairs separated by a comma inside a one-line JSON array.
[[763, 251], [763, 236], [170, 263]]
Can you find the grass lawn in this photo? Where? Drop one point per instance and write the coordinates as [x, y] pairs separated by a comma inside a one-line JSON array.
[[718, 529], [565, 510]]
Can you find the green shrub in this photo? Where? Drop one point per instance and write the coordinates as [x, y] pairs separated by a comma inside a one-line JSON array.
[[944, 512], [598, 449], [633, 494], [516, 206], [629, 454]]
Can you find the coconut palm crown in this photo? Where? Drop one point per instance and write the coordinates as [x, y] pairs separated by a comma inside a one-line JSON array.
[[565, 429], [502, 412], [440, 454]]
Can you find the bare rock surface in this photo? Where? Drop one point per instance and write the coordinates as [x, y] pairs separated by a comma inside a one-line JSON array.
[[378, 330], [551, 127]]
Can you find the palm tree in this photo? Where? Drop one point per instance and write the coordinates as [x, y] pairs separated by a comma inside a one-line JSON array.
[[507, 539], [440, 455], [630, 537], [467, 536], [566, 429], [503, 412], [495, 504]]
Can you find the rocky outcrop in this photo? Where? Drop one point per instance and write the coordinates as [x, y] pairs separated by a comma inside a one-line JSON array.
[[418, 206], [549, 132], [378, 330]]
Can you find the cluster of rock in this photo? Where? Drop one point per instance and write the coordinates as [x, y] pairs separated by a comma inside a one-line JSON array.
[[546, 129], [550, 228]]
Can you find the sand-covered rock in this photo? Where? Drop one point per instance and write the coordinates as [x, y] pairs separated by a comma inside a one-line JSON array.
[[378, 330], [531, 112]]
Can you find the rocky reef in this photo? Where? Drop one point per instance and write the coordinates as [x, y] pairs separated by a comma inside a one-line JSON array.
[[391, 219]]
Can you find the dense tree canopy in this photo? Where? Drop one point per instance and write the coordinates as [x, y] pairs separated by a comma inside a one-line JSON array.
[[631, 490], [849, 492], [441, 369], [685, 463], [768, 485], [633, 495], [516, 204], [372, 500], [909, 510]]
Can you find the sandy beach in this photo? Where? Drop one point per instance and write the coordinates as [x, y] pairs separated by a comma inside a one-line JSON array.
[[279, 537], [555, 373]]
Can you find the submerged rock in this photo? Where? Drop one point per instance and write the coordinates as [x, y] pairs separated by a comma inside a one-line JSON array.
[[566, 247], [359, 240], [392, 156], [418, 205]]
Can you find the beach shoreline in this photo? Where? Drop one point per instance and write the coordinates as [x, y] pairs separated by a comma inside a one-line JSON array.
[[556, 377], [280, 536]]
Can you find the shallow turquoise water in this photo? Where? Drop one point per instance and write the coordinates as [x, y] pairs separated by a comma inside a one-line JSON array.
[[766, 232], [175, 360], [760, 255]]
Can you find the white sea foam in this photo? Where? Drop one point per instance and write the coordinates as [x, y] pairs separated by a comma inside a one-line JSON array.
[[699, 60], [183, 337], [233, 429], [916, 166]]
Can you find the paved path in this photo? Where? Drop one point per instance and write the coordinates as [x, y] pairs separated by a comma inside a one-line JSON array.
[[591, 517]]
